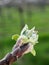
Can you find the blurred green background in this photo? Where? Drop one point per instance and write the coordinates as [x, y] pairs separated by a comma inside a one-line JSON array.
[[12, 21]]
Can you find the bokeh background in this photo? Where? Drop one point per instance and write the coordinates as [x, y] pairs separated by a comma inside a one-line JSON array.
[[14, 14]]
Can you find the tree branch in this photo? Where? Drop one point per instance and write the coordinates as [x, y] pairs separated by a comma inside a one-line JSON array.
[[14, 55]]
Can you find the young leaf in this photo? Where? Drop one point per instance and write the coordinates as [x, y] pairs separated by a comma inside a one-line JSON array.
[[15, 37], [33, 52]]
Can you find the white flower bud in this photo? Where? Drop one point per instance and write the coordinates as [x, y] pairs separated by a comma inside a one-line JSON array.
[[31, 37]]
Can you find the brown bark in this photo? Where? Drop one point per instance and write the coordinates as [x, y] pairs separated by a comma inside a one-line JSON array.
[[14, 55]]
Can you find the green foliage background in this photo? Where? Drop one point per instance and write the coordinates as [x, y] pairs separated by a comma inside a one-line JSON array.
[[11, 22]]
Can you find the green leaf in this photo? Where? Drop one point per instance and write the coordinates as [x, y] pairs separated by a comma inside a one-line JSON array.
[[33, 52], [15, 37]]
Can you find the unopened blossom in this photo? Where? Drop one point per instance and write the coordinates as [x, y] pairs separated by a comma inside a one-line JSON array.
[[28, 36]]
